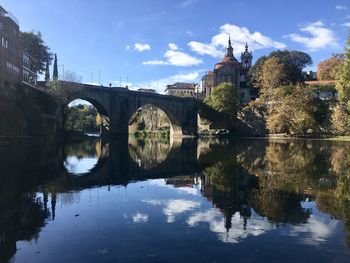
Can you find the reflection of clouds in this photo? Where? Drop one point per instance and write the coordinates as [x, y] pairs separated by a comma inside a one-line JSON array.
[[256, 226], [178, 206], [183, 189], [318, 229], [152, 202], [188, 190], [174, 207], [76, 165], [140, 218], [157, 182]]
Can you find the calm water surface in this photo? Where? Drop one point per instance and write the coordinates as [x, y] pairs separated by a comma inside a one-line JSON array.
[[175, 201]]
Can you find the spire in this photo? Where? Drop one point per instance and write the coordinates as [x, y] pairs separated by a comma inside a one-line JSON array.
[[229, 49], [55, 69], [246, 47]]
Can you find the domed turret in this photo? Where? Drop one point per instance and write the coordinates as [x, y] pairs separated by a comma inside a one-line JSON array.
[[229, 58]]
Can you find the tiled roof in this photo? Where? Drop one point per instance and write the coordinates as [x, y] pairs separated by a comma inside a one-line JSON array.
[[181, 85]]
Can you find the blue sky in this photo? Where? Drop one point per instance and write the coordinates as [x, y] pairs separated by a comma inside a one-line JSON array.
[[151, 43]]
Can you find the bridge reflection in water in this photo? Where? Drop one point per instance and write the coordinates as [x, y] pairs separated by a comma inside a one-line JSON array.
[[238, 189]]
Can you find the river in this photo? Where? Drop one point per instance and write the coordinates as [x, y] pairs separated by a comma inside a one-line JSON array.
[[159, 200]]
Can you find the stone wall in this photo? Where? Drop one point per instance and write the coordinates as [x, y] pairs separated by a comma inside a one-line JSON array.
[[251, 121], [26, 112]]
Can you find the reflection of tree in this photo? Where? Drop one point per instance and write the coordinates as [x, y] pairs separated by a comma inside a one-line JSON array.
[[226, 186], [149, 152], [296, 165], [337, 201], [286, 171], [290, 170], [20, 220], [279, 206], [87, 148]]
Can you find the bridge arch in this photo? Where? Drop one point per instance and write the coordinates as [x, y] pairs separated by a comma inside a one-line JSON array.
[[175, 124], [101, 110]]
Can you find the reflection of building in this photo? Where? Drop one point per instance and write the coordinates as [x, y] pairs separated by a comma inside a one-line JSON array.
[[10, 52], [229, 69], [181, 181], [181, 89], [231, 200]]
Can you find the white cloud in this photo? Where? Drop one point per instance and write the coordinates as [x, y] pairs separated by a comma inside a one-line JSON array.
[[346, 24], [173, 46], [320, 38], [189, 33], [155, 62], [141, 47], [205, 49], [341, 7], [178, 206], [188, 2], [239, 36], [178, 58], [191, 76], [175, 57], [140, 218], [127, 47]]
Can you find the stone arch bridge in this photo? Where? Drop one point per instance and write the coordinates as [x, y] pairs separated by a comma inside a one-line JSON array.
[[117, 105]]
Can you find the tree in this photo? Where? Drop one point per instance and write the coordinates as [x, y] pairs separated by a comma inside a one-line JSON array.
[[293, 113], [343, 77], [81, 118], [55, 69], [272, 74], [254, 71], [294, 62], [341, 120], [71, 76], [326, 69], [47, 72], [33, 44], [224, 99]]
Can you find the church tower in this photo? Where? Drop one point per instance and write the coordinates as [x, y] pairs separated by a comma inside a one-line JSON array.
[[227, 70], [246, 58]]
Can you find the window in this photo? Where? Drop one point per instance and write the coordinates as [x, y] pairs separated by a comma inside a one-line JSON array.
[[26, 62], [4, 42], [12, 67]]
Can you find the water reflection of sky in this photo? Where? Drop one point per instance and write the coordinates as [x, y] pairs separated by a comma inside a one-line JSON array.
[[152, 221], [81, 165]]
